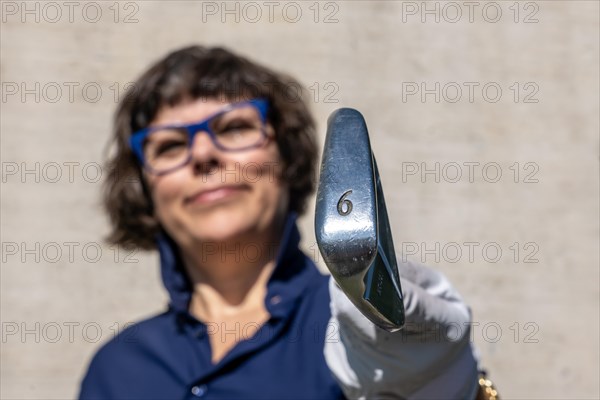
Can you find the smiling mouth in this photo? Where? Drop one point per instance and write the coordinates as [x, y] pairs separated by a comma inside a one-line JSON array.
[[215, 195]]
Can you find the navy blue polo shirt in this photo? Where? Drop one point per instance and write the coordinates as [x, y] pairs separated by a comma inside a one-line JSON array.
[[168, 356]]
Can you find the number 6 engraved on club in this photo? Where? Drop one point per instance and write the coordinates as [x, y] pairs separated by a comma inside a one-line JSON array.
[[344, 201]]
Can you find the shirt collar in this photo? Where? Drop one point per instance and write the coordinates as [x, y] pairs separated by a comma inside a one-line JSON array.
[[287, 281]]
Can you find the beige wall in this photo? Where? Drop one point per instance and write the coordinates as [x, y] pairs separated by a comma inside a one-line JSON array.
[[59, 305]]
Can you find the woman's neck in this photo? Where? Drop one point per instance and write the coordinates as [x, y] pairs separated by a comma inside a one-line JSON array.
[[230, 278]]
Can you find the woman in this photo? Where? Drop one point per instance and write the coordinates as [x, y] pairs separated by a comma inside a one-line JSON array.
[[214, 160]]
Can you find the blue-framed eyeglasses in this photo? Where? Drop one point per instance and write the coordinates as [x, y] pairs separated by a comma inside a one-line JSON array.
[[237, 127]]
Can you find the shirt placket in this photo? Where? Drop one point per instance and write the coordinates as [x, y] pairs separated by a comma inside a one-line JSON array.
[[280, 311]]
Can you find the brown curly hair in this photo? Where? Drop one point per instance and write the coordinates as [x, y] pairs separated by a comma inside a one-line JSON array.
[[192, 73]]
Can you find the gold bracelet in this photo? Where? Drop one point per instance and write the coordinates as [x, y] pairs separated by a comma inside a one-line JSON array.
[[487, 390]]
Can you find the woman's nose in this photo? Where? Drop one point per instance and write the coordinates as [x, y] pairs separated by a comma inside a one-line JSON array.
[[204, 154], [203, 149]]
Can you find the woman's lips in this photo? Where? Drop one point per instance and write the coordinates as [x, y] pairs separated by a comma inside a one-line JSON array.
[[214, 195]]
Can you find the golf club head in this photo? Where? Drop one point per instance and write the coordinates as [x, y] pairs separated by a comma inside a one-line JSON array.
[[351, 223]]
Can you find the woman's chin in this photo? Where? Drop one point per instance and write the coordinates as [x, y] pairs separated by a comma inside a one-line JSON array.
[[230, 230], [232, 223]]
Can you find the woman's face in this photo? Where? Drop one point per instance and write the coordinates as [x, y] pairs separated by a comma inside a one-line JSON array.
[[219, 195]]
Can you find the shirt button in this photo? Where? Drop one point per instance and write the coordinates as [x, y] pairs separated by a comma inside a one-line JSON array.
[[199, 390], [275, 299]]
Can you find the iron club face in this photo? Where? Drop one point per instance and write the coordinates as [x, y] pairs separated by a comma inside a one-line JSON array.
[[351, 222]]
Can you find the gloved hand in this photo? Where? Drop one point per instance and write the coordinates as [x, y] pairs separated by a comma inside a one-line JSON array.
[[431, 357]]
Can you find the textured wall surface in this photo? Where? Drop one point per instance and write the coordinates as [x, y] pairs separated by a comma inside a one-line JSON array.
[[484, 117]]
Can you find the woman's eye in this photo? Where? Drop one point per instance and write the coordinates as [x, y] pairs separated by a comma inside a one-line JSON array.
[[230, 129], [169, 146], [236, 127]]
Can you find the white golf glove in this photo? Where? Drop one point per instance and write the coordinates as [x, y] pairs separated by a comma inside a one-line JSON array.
[[430, 358]]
